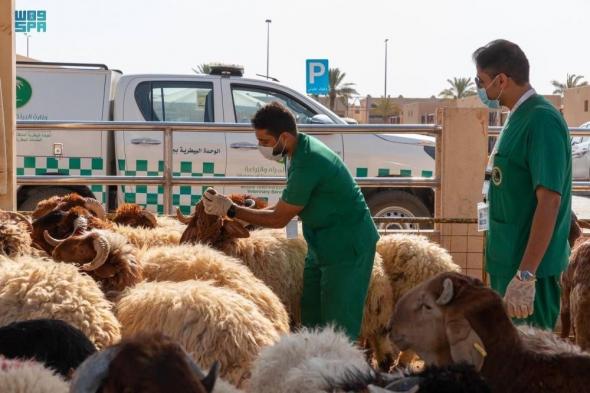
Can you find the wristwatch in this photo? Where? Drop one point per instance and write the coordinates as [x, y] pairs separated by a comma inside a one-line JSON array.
[[525, 275], [231, 212]]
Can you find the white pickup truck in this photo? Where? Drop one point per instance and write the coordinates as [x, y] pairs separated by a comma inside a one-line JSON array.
[[73, 92]]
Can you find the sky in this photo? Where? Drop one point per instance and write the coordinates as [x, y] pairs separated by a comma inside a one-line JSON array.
[[430, 41]]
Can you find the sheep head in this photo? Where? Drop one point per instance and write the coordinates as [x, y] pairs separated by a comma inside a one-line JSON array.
[[449, 318], [146, 363], [105, 256], [213, 230], [67, 202], [16, 218], [135, 216]]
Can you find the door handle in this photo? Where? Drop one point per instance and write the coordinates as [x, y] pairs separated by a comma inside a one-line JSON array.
[[145, 141], [244, 146]]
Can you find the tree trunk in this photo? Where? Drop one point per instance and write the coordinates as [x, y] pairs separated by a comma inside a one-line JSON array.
[[332, 101]]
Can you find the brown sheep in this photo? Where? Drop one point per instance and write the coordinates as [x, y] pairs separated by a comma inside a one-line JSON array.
[[453, 318], [104, 255], [150, 363], [135, 216], [67, 202]]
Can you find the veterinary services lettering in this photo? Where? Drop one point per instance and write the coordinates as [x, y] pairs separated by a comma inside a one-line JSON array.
[[195, 151], [32, 136]]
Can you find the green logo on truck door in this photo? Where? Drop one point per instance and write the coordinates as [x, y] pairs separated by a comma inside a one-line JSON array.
[[24, 91]]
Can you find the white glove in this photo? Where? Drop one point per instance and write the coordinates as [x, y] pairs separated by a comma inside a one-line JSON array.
[[519, 298], [216, 204]]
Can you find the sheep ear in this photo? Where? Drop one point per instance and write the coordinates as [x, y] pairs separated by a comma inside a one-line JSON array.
[[466, 345], [93, 371], [209, 381], [234, 229]]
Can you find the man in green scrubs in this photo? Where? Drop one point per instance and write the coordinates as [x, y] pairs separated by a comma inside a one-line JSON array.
[[337, 223], [528, 189]]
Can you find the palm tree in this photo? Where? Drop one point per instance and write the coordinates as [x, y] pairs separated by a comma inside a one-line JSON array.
[[460, 88], [202, 69], [385, 108], [338, 89], [573, 80]]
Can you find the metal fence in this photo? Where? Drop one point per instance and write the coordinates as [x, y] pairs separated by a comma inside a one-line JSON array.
[[168, 181]]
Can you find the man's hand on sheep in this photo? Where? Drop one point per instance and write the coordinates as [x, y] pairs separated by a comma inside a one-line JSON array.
[[519, 298], [216, 204]]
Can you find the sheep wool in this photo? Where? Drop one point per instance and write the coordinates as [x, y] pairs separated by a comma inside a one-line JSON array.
[[311, 361], [150, 237], [200, 262], [33, 288], [210, 322], [15, 239], [25, 376]]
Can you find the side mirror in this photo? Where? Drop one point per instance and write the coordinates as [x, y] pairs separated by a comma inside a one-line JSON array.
[[321, 119]]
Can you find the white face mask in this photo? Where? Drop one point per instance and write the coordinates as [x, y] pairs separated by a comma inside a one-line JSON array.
[[268, 152]]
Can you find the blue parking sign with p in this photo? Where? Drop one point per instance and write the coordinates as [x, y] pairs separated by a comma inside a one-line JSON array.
[[317, 78]]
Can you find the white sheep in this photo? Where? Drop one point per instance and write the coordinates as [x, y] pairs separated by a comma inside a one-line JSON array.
[[210, 322], [200, 262], [27, 376], [33, 288], [168, 233], [310, 361]]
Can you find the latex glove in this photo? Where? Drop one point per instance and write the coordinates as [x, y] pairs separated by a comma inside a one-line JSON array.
[[216, 204], [519, 298]]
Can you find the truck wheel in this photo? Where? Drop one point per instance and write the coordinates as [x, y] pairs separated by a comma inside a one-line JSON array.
[[398, 204], [36, 196]]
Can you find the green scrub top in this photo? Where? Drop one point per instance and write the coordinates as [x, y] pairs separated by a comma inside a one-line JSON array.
[[337, 223], [534, 151]]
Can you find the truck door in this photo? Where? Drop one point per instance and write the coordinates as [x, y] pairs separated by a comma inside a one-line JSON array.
[[140, 153], [246, 97]]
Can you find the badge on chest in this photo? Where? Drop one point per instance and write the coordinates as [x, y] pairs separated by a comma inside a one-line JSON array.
[[497, 176]]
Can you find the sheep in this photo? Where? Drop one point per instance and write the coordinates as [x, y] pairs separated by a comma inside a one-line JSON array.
[[14, 239], [151, 363], [275, 260], [151, 237], [134, 216], [279, 263], [55, 343], [201, 262], [66, 203], [27, 376], [310, 361], [453, 318], [211, 323], [104, 255], [32, 288]]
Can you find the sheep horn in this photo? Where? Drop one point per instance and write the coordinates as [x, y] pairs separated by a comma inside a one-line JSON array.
[[92, 372], [151, 218], [102, 247], [182, 218], [95, 207], [208, 380], [447, 294], [53, 242]]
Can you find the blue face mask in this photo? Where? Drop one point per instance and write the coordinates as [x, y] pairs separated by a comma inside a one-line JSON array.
[[483, 96]]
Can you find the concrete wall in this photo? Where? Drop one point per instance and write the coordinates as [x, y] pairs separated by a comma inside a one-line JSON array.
[[576, 106]]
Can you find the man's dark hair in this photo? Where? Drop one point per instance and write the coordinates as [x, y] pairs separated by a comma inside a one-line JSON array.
[[503, 57], [276, 119]]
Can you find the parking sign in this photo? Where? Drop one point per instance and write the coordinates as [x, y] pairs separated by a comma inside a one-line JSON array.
[[317, 78]]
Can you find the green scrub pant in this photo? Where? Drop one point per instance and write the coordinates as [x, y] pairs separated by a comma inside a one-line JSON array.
[[546, 304], [334, 293]]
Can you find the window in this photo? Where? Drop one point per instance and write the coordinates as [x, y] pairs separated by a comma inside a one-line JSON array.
[[586, 106], [247, 100], [175, 101]]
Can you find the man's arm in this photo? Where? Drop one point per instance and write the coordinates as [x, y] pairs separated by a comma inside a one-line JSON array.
[[277, 216], [542, 229]]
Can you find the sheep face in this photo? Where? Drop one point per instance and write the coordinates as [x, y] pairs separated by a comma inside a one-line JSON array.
[[134, 216], [213, 230], [433, 319]]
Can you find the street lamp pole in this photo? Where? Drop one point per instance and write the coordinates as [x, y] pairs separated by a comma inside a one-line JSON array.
[[268, 22], [385, 88]]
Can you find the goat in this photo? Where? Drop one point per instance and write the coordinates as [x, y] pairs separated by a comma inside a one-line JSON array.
[[453, 318], [55, 343]]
